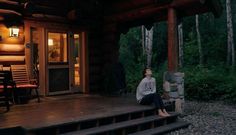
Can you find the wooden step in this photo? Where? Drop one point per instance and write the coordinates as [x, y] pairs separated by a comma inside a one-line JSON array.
[[123, 125], [12, 131], [94, 122], [163, 129], [83, 124]]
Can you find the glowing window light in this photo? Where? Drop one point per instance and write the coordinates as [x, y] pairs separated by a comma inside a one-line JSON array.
[[14, 31], [50, 42]]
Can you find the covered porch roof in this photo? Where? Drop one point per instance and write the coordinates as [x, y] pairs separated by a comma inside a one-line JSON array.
[[139, 12], [134, 12]]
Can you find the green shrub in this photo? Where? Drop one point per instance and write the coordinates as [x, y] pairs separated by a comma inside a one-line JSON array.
[[230, 92], [206, 84]]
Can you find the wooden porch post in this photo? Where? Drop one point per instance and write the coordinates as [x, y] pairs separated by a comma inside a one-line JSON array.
[[172, 41]]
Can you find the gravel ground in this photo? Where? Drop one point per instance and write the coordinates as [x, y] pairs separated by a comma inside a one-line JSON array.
[[213, 118]]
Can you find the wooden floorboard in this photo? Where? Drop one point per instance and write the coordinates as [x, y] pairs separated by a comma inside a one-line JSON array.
[[68, 108]]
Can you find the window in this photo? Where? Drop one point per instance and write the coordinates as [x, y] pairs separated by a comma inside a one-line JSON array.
[[57, 48]]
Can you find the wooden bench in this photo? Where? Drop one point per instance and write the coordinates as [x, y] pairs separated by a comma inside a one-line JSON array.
[[4, 100], [22, 81]]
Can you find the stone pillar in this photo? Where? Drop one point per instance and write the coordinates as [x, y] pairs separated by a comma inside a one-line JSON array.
[[174, 86]]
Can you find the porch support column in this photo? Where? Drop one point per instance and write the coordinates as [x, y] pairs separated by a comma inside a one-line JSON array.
[[172, 40]]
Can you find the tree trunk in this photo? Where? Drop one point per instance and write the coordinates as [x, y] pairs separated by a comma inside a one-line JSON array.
[[230, 40], [148, 43], [181, 44], [199, 41], [143, 39]]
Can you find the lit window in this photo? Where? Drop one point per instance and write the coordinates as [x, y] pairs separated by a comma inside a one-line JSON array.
[[57, 47]]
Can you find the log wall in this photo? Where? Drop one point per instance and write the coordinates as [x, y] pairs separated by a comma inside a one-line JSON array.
[[12, 49], [95, 60], [103, 52]]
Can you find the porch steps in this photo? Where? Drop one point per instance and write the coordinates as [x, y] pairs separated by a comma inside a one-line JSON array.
[[127, 127], [143, 121], [163, 129]]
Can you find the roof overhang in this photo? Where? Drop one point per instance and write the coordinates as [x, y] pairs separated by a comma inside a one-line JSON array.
[[157, 10], [129, 12]]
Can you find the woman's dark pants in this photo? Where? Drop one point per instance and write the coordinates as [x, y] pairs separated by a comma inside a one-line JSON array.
[[153, 98]]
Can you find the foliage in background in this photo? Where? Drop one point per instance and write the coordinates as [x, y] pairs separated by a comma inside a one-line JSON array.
[[131, 57], [212, 81]]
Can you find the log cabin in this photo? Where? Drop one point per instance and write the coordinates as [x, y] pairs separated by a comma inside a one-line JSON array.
[[67, 43]]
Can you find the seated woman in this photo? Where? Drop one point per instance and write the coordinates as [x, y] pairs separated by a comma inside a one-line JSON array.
[[146, 93]]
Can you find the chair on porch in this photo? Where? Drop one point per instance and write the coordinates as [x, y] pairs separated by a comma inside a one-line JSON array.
[[22, 81], [4, 86], [1, 67]]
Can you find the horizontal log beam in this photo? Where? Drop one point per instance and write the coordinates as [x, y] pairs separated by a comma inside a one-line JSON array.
[[185, 3], [136, 14], [47, 19], [5, 12], [31, 8], [3, 53], [11, 5], [117, 7], [187, 7]]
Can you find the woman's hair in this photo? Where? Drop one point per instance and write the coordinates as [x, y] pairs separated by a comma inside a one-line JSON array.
[[144, 71]]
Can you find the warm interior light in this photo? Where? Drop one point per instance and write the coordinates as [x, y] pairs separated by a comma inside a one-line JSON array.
[[14, 31], [50, 42]]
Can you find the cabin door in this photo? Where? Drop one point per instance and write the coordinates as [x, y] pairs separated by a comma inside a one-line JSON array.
[[58, 71], [75, 61]]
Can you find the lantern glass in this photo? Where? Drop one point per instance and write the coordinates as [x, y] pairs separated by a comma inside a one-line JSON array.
[[14, 32]]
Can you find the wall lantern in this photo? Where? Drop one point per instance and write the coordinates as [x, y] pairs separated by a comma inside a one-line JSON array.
[[50, 42], [14, 31]]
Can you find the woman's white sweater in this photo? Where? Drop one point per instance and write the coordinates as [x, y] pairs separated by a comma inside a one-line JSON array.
[[145, 87]]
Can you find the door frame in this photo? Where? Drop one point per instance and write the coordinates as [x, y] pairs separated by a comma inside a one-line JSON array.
[[58, 65], [83, 87], [43, 28], [73, 87]]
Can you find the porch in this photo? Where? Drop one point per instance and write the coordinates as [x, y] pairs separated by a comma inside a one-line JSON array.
[[72, 113]]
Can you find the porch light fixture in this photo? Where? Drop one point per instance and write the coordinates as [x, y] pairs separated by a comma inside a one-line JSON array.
[[50, 42], [14, 31]]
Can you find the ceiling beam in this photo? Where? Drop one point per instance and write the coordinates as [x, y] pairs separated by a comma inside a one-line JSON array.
[[11, 5], [159, 12]]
